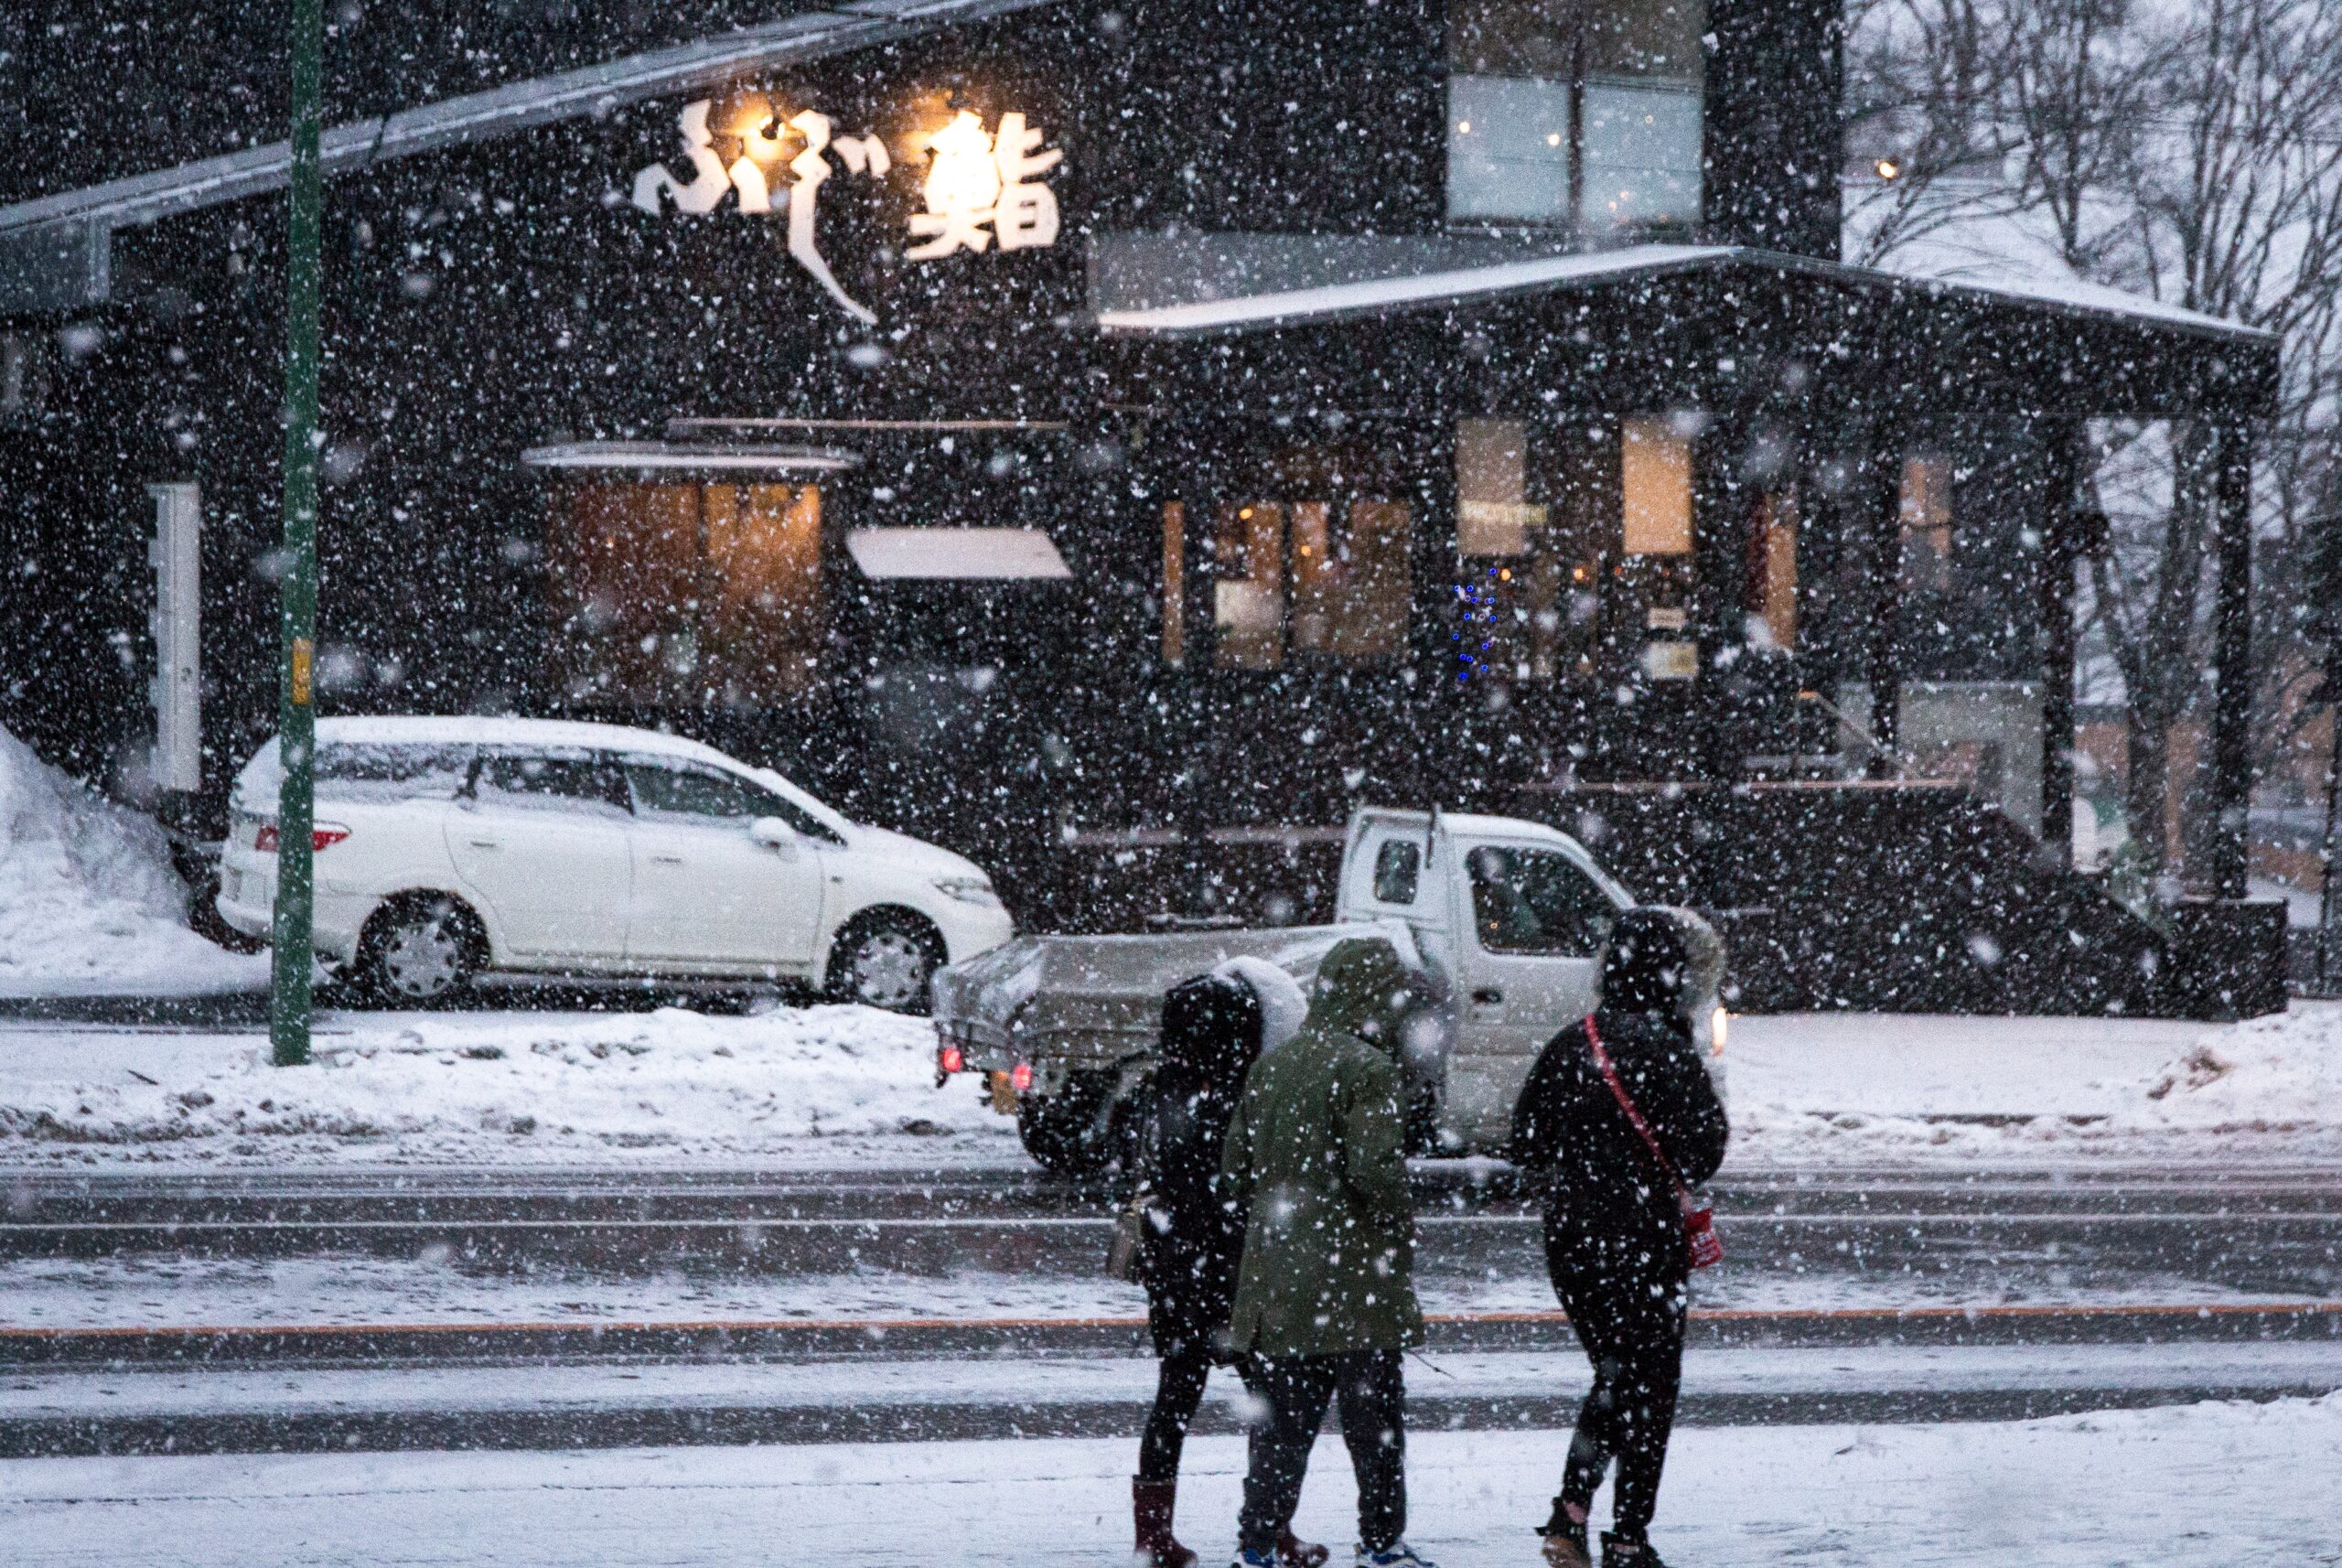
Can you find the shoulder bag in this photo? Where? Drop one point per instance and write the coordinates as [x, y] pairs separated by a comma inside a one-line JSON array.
[[1701, 1244]]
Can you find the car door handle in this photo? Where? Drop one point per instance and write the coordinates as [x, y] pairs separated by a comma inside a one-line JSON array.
[[1487, 996], [486, 843], [667, 859]]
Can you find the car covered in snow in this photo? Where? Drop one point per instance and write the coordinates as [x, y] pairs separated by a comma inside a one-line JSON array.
[[452, 847], [1501, 920]]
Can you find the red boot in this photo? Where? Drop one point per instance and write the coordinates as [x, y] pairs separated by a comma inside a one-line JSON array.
[[1151, 1514], [1294, 1552]]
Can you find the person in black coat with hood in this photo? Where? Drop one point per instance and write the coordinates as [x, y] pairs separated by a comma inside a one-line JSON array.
[[1191, 1239], [1615, 1242]]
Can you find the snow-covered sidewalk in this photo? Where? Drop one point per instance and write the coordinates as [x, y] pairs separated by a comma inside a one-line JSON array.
[[825, 1086], [2211, 1484]]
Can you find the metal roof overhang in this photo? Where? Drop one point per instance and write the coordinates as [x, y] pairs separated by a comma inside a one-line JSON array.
[[53, 249], [1915, 344]]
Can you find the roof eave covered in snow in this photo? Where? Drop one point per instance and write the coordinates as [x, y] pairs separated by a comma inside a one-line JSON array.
[[63, 235], [1375, 297]]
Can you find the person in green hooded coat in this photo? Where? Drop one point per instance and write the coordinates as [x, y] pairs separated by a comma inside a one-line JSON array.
[[1326, 1297]]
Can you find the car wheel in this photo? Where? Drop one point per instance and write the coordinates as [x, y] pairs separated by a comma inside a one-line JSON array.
[[418, 952], [886, 961], [1074, 1132]]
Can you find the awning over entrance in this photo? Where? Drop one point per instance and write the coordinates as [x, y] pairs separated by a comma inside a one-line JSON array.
[[958, 555], [662, 456]]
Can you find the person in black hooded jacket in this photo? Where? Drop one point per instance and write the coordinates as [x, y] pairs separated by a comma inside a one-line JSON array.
[[1615, 1242], [1191, 1239]]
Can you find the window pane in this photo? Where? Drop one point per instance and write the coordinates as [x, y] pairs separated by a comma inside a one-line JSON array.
[[1248, 597], [1642, 155], [1656, 467], [685, 593], [1493, 513], [1772, 570], [1927, 520], [372, 772], [1507, 149], [688, 791], [563, 781], [1175, 582], [1398, 869], [1536, 901]]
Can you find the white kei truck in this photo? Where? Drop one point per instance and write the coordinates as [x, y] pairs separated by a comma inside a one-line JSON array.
[[1501, 920]]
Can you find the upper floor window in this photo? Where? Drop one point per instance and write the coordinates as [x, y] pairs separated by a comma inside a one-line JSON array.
[[1575, 113]]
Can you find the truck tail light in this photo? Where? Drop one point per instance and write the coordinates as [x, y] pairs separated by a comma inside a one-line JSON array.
[[1020, 1078], [325, 835], [949, 1059]]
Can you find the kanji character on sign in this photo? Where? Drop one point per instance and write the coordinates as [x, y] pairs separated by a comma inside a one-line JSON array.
[[980, 189]]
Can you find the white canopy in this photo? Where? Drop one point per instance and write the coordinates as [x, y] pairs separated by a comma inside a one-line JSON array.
[[958, 555]]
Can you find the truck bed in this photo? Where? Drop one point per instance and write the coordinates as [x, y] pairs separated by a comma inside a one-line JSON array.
[[1097, 1002]]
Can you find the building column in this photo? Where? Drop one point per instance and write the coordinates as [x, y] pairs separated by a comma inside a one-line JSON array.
[[1882, 516], [1719, 576], [2062, 525], [2232, 649]]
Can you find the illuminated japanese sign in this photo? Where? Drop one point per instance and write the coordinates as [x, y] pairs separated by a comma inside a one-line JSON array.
[[981, 188]]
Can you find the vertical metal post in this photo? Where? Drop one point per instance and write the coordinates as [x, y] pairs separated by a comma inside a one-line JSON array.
[[289, 1000], [2232, 644], [2061, 515]]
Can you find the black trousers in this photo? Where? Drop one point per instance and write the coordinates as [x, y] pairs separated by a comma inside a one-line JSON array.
[[1372, 1387], [1178, 1390], [1630, 1318]]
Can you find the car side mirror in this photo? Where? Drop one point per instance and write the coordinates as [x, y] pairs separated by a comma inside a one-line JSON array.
[[773, 833]]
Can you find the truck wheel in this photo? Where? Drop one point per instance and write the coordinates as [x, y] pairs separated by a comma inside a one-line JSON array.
[[886, 961], [418, 951], [1075, 1133]]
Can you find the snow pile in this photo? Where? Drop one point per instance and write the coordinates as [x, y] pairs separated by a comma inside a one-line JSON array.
[[502, 1088], [1854, 1087], [88, 898], [2278, 1074]]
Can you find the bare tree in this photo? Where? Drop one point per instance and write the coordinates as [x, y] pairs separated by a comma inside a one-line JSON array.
[[2225, 171], [1923, 82]]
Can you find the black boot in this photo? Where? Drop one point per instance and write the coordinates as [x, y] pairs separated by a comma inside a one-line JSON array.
[[1620, 1553], [1564, 1540]]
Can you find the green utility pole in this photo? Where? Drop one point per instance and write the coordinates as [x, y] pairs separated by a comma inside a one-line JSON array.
[[288, 1002]]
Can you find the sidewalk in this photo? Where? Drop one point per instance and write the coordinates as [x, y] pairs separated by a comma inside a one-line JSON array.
[[842, 1088], [2202, 1486]]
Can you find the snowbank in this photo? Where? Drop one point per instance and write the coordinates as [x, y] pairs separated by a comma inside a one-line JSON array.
[[88, 899], [823, 1087], [824, 1082], [1850, 1087]]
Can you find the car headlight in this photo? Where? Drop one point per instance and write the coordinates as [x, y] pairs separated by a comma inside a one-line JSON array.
[[1718, 1024], [976, 891]]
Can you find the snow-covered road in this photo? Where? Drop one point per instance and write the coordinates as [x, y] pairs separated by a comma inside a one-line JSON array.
[[2214, 1486]]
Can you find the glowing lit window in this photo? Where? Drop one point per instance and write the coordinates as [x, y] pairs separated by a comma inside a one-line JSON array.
[[685, 593]]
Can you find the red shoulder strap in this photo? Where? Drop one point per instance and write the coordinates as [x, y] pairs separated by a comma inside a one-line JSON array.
[[1627, 1104]]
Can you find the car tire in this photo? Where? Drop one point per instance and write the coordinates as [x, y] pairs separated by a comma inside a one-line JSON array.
[[419, 950], [1075, 1132], [886, 960]]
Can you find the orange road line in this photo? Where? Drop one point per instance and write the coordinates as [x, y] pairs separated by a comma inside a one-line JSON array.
[[916, 1325]]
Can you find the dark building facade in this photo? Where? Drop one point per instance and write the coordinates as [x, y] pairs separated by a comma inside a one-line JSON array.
[[1061, 428]]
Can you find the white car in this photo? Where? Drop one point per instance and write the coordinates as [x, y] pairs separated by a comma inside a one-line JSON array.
[[448, 847]]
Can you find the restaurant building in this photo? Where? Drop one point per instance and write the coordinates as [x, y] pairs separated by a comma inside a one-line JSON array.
[[1114, 437]]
